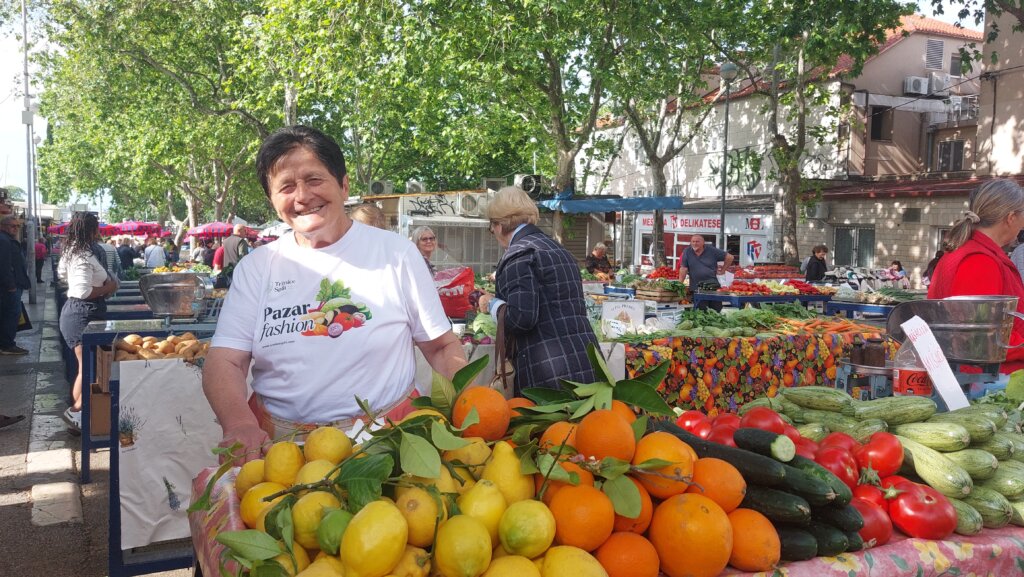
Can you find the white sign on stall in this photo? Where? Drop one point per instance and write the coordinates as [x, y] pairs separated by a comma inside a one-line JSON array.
[[931, 355], [620, 317]]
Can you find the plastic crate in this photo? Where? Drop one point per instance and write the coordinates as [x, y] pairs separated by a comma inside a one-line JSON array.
[[617, 290], [211, 308]]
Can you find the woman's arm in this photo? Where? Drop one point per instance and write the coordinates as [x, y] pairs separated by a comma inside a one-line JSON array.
[[224, 373], [444, 354]]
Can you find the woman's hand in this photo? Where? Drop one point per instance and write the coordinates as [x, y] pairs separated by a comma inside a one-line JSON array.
[[251, 437], [483, 303]]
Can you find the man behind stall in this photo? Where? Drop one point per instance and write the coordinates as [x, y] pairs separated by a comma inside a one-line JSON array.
[[701, 262]]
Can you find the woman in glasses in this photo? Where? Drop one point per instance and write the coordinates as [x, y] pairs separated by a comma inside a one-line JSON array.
[[426, 241]]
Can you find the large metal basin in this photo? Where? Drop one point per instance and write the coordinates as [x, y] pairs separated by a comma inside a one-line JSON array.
[[173, 294], [970, 329]]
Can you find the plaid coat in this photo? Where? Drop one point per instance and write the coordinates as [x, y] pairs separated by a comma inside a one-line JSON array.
[[545, 313]]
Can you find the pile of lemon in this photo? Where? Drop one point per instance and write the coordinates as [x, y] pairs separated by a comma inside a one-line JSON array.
[[500, 530]]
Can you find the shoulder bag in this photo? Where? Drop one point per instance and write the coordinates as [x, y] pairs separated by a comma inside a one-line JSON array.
[[504, 370]]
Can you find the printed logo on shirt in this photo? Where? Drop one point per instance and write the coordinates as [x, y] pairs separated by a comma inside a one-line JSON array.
[[334, 314]]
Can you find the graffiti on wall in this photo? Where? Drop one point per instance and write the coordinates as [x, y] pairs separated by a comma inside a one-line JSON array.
[[435, 205], [744, 169]]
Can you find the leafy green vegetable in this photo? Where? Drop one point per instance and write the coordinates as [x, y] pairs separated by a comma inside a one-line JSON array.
[[330, 290]]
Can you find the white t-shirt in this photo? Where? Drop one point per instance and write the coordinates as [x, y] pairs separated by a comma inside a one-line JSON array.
[[82, 272], [375, 280]]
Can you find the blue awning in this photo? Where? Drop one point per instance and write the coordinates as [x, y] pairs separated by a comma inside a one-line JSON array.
[[642, 204]]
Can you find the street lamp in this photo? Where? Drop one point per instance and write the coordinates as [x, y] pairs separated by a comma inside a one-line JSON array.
[[727, 72]]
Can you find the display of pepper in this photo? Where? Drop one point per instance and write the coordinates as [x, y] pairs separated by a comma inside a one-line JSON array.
[[746, 288], [803, 287]]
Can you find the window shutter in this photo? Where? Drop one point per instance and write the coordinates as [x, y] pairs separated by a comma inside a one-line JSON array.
[[933, 54]]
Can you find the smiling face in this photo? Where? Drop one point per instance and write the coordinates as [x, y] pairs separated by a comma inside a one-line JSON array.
[[427, 243], [697, 243], [308, 198]]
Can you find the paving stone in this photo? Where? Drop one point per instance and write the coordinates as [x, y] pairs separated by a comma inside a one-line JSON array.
[[55, 503]]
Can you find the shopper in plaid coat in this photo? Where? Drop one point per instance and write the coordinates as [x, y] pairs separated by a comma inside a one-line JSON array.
[[539, 282]]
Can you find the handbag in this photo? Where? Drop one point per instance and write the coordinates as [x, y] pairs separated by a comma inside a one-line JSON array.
[[504, 371], [24, 323]]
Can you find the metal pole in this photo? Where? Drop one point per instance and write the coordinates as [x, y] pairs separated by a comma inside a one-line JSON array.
[[30, 221], [725, 161]]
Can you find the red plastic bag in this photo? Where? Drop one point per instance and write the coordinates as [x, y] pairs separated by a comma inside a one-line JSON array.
[[453, 286]]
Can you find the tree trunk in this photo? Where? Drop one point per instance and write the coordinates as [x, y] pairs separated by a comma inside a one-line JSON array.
[[565, 172], [658, 227]]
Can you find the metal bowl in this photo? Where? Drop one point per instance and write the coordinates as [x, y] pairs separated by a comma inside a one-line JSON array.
[[969, 329], [173, 294]]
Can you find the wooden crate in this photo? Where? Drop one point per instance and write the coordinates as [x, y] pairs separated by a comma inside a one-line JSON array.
[[659, 296]]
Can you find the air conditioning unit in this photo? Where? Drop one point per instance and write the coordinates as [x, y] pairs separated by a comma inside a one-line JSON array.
[[473, 205], [414, 186], [940, 83], [493, 184], [915, 85], [379, 187], [819, 211], [530, 183]]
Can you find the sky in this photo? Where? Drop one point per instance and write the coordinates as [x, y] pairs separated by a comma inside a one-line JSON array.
[[13, 167]]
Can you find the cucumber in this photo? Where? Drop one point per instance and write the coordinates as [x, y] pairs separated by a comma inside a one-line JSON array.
[[1008, 480], [1000, 447], [944, 437], [797, 544], [820, 398], [755, 469], [779, 447], [811, 487], [994, 413], [893, 410], [846, 518], [1017, 517], [856, 541], [980, 465], [831, 541], [843, 493], [772, 403], [978, 427], [994, 508], [942, 474], [864, 429], [968, 519], [813, 431], [779, 506]]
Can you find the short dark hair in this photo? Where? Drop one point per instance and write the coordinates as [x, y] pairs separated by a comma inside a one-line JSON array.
[[286, 139], [819, 248]]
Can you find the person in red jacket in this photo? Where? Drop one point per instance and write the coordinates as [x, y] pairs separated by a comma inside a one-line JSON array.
[[979, 265]]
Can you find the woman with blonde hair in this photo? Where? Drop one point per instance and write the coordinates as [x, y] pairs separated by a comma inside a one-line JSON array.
[[370, 214], [978, 265], [425, 240], [539, 286]]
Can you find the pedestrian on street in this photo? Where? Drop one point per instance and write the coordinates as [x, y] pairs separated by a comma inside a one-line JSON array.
[[41, 254], [235, 246], [126, 254], [154, 254], [13, 280]]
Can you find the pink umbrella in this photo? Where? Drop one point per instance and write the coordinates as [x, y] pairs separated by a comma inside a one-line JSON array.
[[105, 229], [211, 230], [139, 228]]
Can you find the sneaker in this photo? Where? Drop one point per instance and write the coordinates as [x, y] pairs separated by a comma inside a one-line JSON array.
[[74, 421], [14, 350]]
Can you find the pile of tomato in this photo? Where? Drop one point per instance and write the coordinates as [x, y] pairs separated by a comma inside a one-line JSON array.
[[804, 288], [741, 287], [664, 272], [883, 498]]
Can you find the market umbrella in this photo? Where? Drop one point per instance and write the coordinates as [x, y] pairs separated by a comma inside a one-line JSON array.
[[105, 229], [211, 230], [57, 228], [139, 228]]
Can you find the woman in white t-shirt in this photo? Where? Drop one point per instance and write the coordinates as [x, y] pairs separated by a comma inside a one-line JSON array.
[[326, 314], [88, 285]]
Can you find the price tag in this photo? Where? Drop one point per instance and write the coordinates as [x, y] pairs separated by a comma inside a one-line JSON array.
[[613, 329], [935, 363]]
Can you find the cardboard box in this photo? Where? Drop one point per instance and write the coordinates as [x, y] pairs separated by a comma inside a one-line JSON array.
[[99, 410], [104, 360]]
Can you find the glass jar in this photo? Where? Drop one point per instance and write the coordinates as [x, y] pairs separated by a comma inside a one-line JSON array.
[[874, 353], [857, 353]]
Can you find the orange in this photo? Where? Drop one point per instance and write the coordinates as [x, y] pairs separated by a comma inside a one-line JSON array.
[[628, 555], [759, 549], [697, 526], [517, 402], [604, 433], [490, 406], [624, 411], [584, 517], [719, 481], [586, 478], [643, 520], [557, 434], [662, 445]]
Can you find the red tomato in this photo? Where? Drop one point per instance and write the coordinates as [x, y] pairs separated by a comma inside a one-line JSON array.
[[883, 453], [926, 514], [763, 418], [722, 435], [702, 429], [877, 528], [731, 419], [689, 419], [841, 463], [872, 494], [838, 439], [806, 448], [791, 432], [899, 484]]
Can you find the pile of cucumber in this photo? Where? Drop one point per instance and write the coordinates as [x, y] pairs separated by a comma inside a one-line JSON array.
[[808, 505], [974, 456]]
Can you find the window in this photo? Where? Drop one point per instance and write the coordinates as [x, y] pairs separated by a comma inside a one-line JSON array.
[[912, 215], [881, 123], [951, 156], [854, 246], [954, 65], [933, 54], [676, 190]]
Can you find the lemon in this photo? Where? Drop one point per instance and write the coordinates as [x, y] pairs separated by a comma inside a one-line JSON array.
[[282, 463], [332, 528], [249, 475], [307, 513], [498, 553], [324, 566], [415, 562], [503, 470], [485, 503], [327, 443], [462, 548], [512, 566], [420, 510], [421, 412], [314, 471], [253, 503], [444, 483], [473, 455], [301, 560], [374, 541], [464, 479], [527, 528], [565, 560]]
